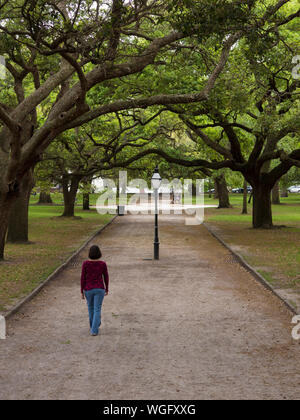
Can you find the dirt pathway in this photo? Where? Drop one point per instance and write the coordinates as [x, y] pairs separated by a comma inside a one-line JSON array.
[[193, 325]]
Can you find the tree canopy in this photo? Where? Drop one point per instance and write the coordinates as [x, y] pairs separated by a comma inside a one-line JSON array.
[[70, 63]]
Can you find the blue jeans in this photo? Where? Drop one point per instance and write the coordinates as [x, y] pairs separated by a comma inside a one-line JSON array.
[[94, 298]]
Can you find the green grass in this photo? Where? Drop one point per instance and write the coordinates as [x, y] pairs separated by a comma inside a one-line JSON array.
[[275, 253], [57, 199], [267, 276], [286, 212], [52, 240]]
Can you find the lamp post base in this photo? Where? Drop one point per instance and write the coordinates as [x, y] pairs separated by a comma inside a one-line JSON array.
[[156, 250], [156, 240]]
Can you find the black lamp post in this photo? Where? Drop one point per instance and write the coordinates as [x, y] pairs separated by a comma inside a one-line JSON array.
[[156, 181]]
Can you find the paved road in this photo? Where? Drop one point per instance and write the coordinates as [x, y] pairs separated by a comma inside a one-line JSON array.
[[193, 325]]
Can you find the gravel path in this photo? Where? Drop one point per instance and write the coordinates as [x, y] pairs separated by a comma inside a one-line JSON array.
[[193, 325]]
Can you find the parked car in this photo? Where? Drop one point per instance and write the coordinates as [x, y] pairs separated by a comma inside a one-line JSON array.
[[241, 190], [294, 189]]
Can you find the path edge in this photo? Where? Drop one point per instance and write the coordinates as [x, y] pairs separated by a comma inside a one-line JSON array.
[[252, 270], [55, 273]]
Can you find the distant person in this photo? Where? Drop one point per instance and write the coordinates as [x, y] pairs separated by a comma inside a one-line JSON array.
[[172, 195], [251, 195], [177, 198], [94, 286]]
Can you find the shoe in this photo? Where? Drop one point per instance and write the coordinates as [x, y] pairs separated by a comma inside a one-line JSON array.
[[93, 334]]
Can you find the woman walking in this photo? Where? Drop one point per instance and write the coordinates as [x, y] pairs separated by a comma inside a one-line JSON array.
[[94, 286]]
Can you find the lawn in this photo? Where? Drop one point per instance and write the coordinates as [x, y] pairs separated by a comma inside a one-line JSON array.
[[57, 198], [274, 253], [52, 241]]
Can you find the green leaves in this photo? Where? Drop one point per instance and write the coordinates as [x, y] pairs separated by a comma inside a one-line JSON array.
[[209, 18]]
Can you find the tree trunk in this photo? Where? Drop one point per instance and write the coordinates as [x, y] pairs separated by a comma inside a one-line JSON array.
[[13, 172], [70, 187], [18, 218], [284, 192], [276, 194], [216, 192], [69, 206], [194, 189], [86, 201], [209, 188], [45, 198], [245, 198], [222, 191], [5, 207], [262, 209]]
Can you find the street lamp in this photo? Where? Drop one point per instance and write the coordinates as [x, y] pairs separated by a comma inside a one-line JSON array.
[[156, 181]]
